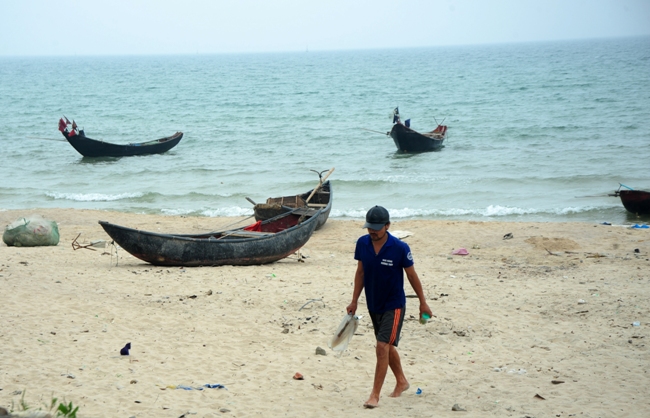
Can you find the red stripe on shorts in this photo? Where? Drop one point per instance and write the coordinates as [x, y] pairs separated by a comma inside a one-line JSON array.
[[393, 334]]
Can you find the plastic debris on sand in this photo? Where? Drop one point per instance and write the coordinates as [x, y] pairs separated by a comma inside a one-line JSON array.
[[344, 333]]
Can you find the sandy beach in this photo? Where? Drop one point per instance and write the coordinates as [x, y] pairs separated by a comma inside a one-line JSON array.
[[549, 323]]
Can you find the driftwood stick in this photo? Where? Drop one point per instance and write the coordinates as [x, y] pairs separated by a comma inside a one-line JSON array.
[[313, 300], [547, 250]]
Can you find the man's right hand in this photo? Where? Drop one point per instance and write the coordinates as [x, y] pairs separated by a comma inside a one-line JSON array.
[[352, 308]]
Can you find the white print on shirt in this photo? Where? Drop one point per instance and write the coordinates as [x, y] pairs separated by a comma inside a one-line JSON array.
[[409, 256], [385, 262]]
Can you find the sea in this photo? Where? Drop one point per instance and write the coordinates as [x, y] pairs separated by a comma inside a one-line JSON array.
[[540, 132]]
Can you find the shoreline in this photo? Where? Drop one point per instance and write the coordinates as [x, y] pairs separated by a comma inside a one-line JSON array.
[[557, 302], [622, 219]]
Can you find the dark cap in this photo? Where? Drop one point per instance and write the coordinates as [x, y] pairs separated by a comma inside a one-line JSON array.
[[376, 218]]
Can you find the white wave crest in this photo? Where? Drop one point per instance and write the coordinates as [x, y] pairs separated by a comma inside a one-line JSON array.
[[228, 211], [491, 211], [232, 211], [92, 197]]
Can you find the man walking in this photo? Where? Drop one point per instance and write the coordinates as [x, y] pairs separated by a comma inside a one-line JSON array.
[[382, 260]]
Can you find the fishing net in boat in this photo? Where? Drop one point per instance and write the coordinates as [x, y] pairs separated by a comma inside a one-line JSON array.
[[344, 333]]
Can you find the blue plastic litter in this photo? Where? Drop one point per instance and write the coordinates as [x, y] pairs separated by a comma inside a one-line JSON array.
[[637, 226], [207, 385], [418, 392], [605, 223]]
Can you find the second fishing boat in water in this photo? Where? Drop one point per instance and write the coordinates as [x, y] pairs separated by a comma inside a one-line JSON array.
[[410, 141]]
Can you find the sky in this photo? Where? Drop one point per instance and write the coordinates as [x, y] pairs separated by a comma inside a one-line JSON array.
[[163, 27]]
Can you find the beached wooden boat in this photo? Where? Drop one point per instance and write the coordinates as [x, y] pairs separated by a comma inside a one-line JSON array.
[[635, 201], [317, 200], [263, 242], [408, 140], [89, 147]]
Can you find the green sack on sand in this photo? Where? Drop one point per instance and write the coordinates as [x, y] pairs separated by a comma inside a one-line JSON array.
[[34, 231]]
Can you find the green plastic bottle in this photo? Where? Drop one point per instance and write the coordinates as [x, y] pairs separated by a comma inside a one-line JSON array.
[[424, 318]]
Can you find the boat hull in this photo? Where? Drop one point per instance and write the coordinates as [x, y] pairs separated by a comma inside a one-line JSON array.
[[635, 201], [410, 141], [235, 247], [89, 147]]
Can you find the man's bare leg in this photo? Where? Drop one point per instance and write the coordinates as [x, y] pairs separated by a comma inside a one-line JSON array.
[[396, 366], [383, 353]]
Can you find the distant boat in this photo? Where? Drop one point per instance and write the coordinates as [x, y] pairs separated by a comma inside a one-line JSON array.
[[89, 147], [635, 201], [410, 141], [259, 243]]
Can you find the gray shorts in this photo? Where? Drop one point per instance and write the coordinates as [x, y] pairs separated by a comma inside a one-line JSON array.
[[388, 325]]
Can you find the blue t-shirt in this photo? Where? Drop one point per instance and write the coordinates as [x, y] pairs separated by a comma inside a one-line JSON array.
[[383, 273]]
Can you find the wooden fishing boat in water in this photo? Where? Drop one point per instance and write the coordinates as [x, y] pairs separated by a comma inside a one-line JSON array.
[[260, 243], [635, 201], [89, 147], [315, 201], [410, 141]]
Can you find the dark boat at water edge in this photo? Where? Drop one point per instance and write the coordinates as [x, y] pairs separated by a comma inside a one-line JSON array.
[[634, 201], [260, 243], [89, 147]]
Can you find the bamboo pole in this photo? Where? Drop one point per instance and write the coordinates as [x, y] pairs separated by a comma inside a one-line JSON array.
[[320, 184]]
